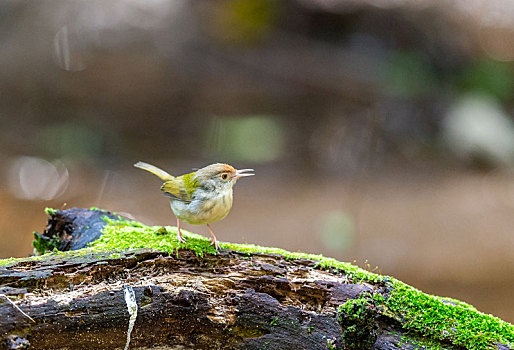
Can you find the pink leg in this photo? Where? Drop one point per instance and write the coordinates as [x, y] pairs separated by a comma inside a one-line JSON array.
[[213, 238], [179, 234]]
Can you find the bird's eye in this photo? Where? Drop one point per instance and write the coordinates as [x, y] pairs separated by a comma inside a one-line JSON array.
[[224, 176]]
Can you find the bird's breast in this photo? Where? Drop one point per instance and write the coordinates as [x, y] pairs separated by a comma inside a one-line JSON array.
[[205, 208]]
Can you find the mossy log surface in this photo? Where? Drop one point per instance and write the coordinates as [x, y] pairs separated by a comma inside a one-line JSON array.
[[231, 300]]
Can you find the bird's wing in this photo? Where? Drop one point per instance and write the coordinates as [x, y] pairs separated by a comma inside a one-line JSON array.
[[181, 188]]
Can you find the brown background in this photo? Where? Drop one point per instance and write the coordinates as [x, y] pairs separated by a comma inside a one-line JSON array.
[[340, 108]]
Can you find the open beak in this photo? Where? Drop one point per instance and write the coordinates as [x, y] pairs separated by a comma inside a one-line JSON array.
[[243, 173]]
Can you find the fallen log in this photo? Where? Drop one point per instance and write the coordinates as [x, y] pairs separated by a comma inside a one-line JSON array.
[[188, 296]]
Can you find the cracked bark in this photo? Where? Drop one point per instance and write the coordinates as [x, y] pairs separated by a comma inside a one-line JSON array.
[[227, 301]]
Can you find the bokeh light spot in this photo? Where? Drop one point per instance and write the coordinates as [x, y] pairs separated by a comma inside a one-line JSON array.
[[249, 138], [336, 230], [244, 21], [408, 74], [72, 140], [488, 76], [37, 179], [66, 50], [477, 129]]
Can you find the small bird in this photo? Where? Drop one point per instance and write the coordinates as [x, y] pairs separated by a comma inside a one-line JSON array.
[[201, 197]]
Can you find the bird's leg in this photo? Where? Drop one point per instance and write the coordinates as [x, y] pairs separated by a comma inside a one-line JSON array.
[[214, 241], [179, 234]]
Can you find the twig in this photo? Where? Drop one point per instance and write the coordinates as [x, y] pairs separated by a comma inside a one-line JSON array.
[[16, 306]]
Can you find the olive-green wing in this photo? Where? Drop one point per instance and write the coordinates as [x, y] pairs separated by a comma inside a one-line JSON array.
[[181, 188]]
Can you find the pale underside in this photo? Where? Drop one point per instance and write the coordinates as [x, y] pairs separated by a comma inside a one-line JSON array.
[[204, 208]]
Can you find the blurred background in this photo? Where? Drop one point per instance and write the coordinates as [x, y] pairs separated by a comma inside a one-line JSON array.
[[381, 132]]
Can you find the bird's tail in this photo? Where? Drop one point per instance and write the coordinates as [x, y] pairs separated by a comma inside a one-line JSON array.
[[164, 176]]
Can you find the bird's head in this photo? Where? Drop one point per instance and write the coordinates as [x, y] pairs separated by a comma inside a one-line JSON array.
[[220, 176]]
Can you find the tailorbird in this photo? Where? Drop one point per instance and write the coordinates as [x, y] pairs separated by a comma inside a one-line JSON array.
[[201, 197]]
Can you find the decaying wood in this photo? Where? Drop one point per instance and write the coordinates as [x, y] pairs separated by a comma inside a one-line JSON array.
[[225, 301]]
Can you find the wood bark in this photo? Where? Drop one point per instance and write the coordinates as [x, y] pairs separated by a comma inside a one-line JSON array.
[[226, 301]]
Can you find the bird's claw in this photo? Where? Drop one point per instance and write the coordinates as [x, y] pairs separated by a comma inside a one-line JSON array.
[[181, 239], [215, 243]]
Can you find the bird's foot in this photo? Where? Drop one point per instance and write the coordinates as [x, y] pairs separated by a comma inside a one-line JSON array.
[[215, 243], [180, 238]]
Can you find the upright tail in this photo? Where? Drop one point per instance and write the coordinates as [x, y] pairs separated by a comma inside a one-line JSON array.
[[164, 176]]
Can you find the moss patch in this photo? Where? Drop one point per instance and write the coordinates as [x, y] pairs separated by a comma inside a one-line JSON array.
[[357, 318], [428, 317], [419, 342], [447, 320], [50, 211], [432, 320], [44, 244], [124, 234]]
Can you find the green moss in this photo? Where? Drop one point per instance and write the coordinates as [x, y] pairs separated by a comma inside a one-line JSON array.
[[49, 258], [102, 210], [50, 211], [356, 273], [432, 317], [44, 244], [421, 343], [428, 317], [414, 341], [331, 344], [9, 261], [446, 319], [357, 318], [121, 235], [430, 320]]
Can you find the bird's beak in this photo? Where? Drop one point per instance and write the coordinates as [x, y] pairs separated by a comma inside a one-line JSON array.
[[242, 173]]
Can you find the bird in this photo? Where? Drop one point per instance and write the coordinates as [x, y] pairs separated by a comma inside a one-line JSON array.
[[201, 197]]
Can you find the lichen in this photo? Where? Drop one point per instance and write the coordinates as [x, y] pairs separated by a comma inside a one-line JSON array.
[[431, 318]]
